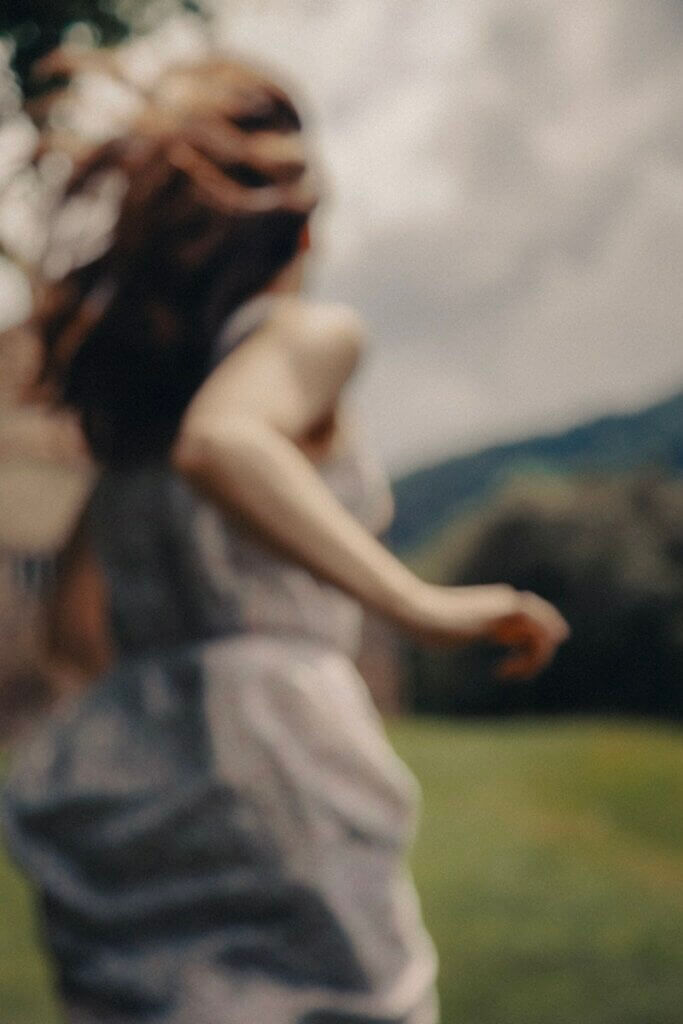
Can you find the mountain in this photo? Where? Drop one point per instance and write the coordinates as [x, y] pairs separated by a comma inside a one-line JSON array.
[[428, 498]]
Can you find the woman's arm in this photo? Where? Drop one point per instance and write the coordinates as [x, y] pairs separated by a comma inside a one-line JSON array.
[[239, 444]]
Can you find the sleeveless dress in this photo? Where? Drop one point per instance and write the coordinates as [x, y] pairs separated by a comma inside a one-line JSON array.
[[218, 828]]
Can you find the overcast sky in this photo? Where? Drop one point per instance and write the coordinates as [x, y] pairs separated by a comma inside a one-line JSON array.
[[506, 203]]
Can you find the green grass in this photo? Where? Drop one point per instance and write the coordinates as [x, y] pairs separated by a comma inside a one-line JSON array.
[[550, 863], [551, 871], [25, 996]]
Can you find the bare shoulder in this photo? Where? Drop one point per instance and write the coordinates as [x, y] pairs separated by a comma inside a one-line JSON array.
[[317, 327], [288, 375]]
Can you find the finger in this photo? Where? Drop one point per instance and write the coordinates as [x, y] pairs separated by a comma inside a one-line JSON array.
[[514, 629], [546, 614], [523, 664], [531, 653], [515, 668]]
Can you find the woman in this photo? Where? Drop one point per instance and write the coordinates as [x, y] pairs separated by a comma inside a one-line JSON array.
[[217, 827]]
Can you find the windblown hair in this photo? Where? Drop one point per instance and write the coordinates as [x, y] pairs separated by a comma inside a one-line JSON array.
[[218, 188]]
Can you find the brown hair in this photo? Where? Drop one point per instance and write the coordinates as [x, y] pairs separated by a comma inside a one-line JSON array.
[[218, 190]]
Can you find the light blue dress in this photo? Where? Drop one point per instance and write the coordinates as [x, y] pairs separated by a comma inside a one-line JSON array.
[[218, 828]]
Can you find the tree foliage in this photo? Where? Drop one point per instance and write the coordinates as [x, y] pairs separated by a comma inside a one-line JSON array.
[[609, 553], [34, 27]]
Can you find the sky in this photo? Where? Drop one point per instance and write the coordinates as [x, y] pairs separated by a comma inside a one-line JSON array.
[[505, 208]]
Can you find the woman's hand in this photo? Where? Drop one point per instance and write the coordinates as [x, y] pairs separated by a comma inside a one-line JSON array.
[[498, 614]]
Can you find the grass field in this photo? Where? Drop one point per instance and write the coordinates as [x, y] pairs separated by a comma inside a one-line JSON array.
[[550, 864]]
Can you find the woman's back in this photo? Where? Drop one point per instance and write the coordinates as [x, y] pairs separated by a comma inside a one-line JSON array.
[[179, 572]]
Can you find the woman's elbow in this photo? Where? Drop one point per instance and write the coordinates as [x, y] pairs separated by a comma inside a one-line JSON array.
[[201, 446]]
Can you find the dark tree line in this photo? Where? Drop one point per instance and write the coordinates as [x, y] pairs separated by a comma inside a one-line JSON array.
[[609, 553]]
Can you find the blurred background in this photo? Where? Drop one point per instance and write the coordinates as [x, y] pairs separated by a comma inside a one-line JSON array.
[[505, 209]]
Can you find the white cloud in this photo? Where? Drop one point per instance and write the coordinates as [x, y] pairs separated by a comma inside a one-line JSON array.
[[507, 181]]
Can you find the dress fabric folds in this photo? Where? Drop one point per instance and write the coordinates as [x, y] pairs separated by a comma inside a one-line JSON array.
[[217, 829]]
